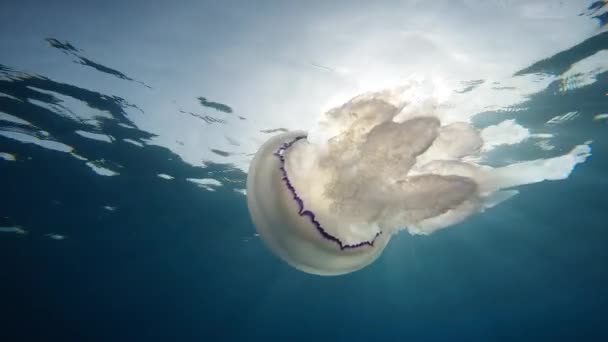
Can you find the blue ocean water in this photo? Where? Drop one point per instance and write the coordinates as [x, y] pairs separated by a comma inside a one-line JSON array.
[[96, 246]]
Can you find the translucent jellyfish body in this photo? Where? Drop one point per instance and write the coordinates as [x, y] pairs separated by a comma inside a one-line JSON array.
[[291, 229], [330, 205]]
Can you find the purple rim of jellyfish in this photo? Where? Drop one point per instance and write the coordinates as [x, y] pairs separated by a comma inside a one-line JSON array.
[[302, 211]]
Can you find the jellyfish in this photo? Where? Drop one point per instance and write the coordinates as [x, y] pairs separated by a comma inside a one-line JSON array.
[[328, 202]]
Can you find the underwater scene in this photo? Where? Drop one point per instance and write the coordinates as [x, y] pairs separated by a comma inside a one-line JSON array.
[[304, 170]]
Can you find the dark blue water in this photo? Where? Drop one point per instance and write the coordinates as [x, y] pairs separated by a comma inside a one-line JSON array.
[[169, 261]]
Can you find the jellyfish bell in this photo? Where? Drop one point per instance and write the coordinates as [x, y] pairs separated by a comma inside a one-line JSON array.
[[330, 205], [287, 224]]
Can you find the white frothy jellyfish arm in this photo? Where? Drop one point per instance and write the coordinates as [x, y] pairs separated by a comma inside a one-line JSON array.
[[535, 171]]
